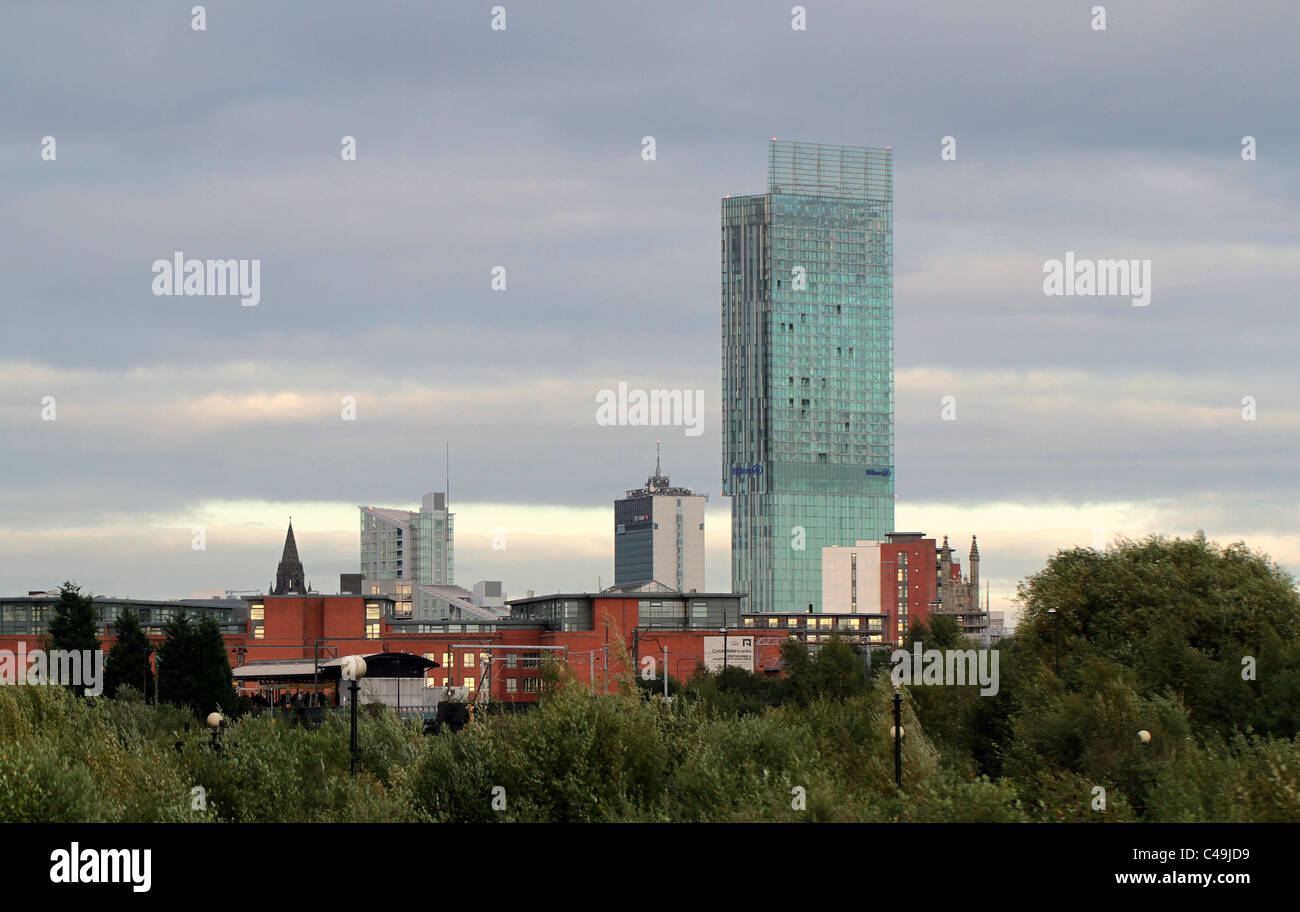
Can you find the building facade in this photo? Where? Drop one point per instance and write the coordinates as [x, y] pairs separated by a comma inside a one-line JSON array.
[[894, 579], [959, 596], [592, 635], [27, 617], [807, 367], [903, 579], [402, 548], [659, 535]]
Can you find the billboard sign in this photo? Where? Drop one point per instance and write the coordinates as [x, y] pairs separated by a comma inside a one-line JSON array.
[[740, 652]]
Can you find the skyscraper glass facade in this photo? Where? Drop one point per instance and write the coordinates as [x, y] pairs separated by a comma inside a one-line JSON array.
[[807, 367]]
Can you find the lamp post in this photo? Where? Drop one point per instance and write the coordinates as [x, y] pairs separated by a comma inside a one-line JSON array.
[[723, 631], [1056, 659], [897, 734], [353, 670], [214, 722]]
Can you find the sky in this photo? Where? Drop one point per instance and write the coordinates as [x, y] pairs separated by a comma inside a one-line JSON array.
[[1077, 418]]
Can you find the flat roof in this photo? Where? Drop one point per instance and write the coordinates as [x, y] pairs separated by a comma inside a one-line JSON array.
[[625, 595], [316, 595], [127, 600]]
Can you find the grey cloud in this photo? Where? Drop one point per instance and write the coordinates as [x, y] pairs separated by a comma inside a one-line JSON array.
[[522, 149]]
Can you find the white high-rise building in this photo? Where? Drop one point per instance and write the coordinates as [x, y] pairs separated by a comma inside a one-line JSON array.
[[405, 548], [659, 536]]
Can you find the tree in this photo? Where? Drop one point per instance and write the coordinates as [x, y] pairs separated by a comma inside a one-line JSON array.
[[1189, 617], [128, 660], [193, 668], [943, 632], [73, 626], [215, 685], [834, 670], [840, 670]]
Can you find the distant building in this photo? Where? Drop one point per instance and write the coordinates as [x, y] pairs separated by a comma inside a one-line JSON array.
[[453, 603], [27, 617], [401, 549], [902, 580], [807, 418], [812, 630], [659, 535], [1002, 624], [350, 583], [893, 579], [489, 594], [960, 596]]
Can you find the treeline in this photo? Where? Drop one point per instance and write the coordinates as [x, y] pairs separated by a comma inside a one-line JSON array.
[[1197, 645], [192, 668]]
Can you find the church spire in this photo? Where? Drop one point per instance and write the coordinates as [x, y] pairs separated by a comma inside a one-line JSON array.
[[289, 576]]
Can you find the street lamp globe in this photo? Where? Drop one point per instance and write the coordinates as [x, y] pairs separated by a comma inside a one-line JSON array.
[[214, 719], [354, 668], [1144, 736]]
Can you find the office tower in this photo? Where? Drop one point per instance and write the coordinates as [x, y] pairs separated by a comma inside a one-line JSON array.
[[807, 367], [412, 547], [659, 535]]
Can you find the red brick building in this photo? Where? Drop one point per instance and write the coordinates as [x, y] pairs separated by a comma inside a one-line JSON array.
[[594, 636], [902, 580]]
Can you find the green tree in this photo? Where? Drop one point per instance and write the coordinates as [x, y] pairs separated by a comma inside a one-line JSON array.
[[652, 686], [734, 691], [840, 670], [835, 669], [73, 626], [193, 668], [943, 632], [1184, 615], [128, 660]]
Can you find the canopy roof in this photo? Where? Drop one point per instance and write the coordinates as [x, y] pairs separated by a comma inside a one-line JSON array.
[[378, 665]]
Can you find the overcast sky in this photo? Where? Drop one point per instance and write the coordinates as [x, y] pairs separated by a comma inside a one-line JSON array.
[[522, 148]]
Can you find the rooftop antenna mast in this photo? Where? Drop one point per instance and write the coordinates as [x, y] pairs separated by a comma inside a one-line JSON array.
[[447, 466]]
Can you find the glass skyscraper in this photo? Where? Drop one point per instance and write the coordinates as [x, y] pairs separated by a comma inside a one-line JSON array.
[[807, 367]]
